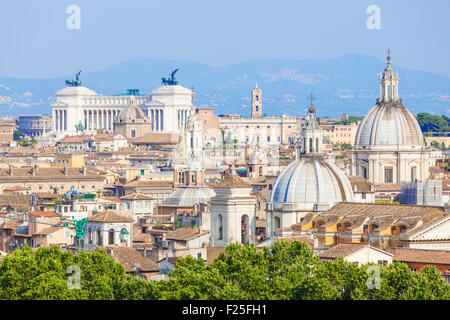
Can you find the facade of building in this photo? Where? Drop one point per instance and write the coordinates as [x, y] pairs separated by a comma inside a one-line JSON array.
[[7, 132], [79, 105], [36, 126], [233, 212], [340, 133], [389, 146], [258, 129]]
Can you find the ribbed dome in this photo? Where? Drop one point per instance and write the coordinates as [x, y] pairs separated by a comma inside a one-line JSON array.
[[132, 112], [389, 123], [311, 180]]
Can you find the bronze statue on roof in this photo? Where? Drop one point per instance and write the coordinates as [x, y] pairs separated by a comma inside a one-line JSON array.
[[171, 81]]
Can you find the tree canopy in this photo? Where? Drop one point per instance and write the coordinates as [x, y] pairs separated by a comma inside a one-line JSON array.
[[433, 123], [286, 270]]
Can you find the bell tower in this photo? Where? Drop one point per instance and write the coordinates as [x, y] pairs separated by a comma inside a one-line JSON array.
[[256, 102]]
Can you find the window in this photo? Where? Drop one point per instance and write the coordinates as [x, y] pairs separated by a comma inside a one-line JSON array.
[[388, 175], [199, 255], [133, 133], [257, 110], [219, 227], [363, 195], [257, 98], [268, 138], [413, 174], [142, 172], [364, 170]]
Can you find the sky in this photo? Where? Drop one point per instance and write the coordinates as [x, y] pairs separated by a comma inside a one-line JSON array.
[[35, 41]]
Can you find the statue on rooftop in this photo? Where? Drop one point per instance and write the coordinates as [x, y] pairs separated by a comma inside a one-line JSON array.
[[76, 82], [171, 81]]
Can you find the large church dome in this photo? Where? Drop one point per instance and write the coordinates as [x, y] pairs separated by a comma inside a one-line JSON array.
[[310, 182], [389, 122]]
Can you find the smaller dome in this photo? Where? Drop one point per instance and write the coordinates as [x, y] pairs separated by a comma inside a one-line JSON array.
[[132, 112], [311, 180]]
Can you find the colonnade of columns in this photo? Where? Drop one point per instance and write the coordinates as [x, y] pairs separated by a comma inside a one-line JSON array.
[[59, 120], [182, 118], [157, 119], [96, 119]]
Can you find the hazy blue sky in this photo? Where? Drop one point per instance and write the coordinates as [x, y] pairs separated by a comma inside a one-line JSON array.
[[35, 41]]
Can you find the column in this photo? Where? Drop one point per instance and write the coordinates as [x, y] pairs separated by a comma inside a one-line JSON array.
[[60, 120], [152, 118], [54, 120], [65, 120], [157, 120]]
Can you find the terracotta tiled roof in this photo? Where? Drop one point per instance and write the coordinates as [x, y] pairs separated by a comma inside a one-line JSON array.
[[150, 183], [109, 217], [129, 257], [9, 224], [156, 138], [342, 250], [48, 173], [44, 213], [19, 202], [49, 230], [386, 213], [361, 184], [388, 187], [185, 234], [420, 255], [232, 181]]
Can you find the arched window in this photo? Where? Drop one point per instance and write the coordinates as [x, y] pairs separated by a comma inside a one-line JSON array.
[[276, 223], [111, 237], [219, 227], [123, 235], [310, 144]]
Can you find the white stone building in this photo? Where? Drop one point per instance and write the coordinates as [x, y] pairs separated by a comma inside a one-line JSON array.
[[168, 108], [233, 212], [109, 229], [389, 146]]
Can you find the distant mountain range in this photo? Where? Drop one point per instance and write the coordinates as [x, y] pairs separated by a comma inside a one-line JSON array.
[[345, 84]]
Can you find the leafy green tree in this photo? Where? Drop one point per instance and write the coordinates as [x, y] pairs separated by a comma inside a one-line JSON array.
[[41, 275], [432, 123], [286, 270]]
